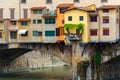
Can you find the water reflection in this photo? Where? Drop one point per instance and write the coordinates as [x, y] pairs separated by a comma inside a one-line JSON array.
[[54, 73]]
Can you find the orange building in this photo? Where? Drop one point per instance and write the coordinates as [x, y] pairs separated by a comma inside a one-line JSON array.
[[60, 19]]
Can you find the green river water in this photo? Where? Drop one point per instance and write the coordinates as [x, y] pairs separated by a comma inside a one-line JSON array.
[[54, 73]]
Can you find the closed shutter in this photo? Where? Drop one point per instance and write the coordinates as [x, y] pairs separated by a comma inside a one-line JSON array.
[[25, 13], [1, 13]]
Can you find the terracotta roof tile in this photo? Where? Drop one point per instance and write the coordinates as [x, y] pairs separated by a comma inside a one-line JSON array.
[[65, 5], [109, 6], [37, 8], [80, 8], [24, 19]]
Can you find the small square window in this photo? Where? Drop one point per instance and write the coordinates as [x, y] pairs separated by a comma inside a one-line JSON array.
[[34, 21], [93, 18], [104, 1], [13, 22], [39, 21], [23, 1], [105, 10], [105, 19], [81, 18], [69, 18], [13, 34], [63, 21], [76, 1], [93, 32], [105, 31], [24, 23], [49, 1]]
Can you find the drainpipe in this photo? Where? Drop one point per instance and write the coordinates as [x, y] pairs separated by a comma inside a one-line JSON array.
[[19, 9]]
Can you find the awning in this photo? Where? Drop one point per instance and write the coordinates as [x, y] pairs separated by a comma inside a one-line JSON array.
[[22, 31]]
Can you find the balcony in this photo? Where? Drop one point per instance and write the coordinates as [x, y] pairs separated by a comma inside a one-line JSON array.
[[74, 37], [51, 13]]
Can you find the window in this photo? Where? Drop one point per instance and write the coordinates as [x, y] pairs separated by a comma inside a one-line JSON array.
[[34, 21], [69, 18], [12, 16], [13, 22], [49, 33], [105, 19], [105, 10], [23, 23], [57, 31], [0, 34], [49, 20], [93, 32], [37, 12], [48, 1], [39, 21], [104, 1], [81, 18], [36, 33], [63, 21], [25, 13], [23, 1], [93, 18], [76, 1], [1, 13], [13, 34], [26, 34], [105, 31]]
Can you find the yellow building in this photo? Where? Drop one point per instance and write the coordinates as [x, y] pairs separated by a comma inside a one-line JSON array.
[[76, 16]]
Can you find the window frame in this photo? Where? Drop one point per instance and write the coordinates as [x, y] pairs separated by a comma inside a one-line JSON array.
[[81, 18], [93, 18], [106, 33], [48, 1], [94, 33], [76, 1], [13, 34], [24, 23], [34, 21], [69, 18], [105, 19], [39, 21], [23, 1], [50, 33], [49, 21], [13, 23]]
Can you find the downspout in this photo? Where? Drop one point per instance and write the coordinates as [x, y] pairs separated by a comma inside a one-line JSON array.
[[19, 9]]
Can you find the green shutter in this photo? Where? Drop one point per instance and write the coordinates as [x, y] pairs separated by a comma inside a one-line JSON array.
[[49, 33]]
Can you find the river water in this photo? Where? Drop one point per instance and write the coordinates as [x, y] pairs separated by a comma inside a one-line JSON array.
[[53, 73]]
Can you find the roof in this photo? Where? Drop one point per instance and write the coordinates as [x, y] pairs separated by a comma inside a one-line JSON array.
[[24, 19], [37, 8], [109, 6], [64, 5], [80, 8]]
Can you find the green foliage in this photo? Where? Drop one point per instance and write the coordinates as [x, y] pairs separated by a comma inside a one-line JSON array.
[[97, 57], [79, 27], [68, 26]]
